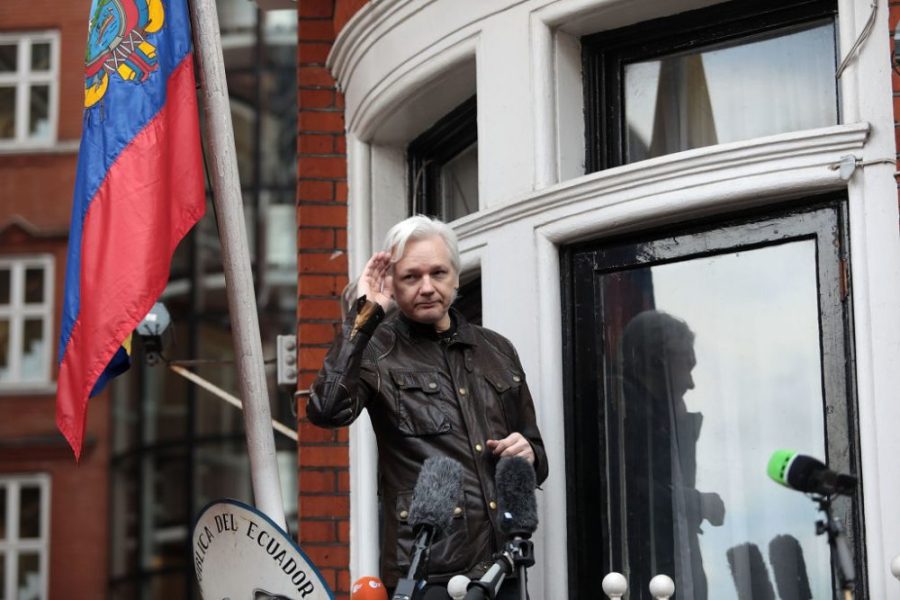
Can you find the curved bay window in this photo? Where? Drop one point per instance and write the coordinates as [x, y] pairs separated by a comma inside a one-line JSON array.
[[176, 447], [696, 353]]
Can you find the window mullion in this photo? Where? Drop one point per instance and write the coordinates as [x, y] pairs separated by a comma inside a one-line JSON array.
[[21, 113]]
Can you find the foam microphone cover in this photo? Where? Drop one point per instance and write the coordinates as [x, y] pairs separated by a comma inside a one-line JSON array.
[[516, 503], [751, 577], [368, 588], [789, 567], [436, 494]]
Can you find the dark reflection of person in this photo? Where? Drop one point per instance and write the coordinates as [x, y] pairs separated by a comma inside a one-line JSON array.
[[665, 510]]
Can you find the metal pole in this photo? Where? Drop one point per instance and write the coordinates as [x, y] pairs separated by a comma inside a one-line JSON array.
[[236, 259]]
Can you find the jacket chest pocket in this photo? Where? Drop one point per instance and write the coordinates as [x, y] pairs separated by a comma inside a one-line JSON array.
[[505, 386], [419, 403]]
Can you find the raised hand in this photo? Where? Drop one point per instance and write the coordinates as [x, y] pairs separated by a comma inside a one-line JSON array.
[[375, 282]]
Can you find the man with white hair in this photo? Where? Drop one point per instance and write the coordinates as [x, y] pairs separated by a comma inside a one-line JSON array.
[[434, 385]]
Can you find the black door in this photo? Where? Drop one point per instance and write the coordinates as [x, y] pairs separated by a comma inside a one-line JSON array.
[[694, 354]]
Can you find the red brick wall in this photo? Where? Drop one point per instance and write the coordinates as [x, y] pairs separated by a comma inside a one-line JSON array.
[[37, 188], [324, 496]]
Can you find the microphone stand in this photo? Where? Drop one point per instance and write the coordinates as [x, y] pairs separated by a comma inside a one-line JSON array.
[[408, 587], [840, 548], [517, 554]]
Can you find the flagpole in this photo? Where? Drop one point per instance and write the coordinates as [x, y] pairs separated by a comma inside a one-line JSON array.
[[236, 259]]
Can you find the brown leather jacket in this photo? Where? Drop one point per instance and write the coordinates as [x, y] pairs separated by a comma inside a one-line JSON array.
[[429, 397]]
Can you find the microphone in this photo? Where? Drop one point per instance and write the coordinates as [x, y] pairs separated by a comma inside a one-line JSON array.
[[806, 474], [437, 491], [517, 507], [368, 588], [516, 503]]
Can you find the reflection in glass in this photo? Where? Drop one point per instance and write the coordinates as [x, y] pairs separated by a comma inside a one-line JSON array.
[[30, 512], [722, 369], [123, 520], [40, 56], [4, 350], [33, 350], [729, 92], [7, 112], [29, 576], [39, 111], [3, 528], [459, 184], [5, 283], [8, 57], [34, 285]]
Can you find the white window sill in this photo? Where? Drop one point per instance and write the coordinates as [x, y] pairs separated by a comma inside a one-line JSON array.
[[60, 147], [28, 389]]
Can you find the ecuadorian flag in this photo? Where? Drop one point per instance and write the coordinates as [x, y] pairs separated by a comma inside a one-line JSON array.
[[138, 190]]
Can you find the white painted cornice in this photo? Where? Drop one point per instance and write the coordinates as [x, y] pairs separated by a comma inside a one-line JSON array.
[[802, 160], [364, 28]]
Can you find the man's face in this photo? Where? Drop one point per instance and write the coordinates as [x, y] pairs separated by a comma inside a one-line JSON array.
[[679, 367], [425, 282]]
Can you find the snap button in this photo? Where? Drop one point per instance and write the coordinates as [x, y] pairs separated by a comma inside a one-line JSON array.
[[432, 385], [462, 391], [516, 378], [493, 505], [403, 514], [479, 447], [457, 511]]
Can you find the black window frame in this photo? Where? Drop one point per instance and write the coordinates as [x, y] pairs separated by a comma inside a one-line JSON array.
[[605, 54], [594, 541], [430, 151]]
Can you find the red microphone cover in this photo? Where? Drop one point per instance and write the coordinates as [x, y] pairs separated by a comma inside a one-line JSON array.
[[368, 588]]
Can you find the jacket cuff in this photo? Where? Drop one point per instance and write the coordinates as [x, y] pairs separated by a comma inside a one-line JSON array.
[[368, 315]]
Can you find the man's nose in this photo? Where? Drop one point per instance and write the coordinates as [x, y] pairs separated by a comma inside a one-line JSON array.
[[427, 287]]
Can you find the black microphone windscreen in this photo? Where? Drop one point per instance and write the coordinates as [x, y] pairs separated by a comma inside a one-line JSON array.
[[801, 472], [789, 567], [437, 491], [516, 503]]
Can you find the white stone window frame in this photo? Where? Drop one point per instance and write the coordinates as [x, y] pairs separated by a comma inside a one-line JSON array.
[[389, 50], [23, 79], [12, 546], [17, 311]]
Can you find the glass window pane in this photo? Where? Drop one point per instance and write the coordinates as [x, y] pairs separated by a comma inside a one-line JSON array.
[[459, 184], [7, 112], [29, 579], [4, 350], [39, 115], [30, 512], [40, 56], [5, 283], [8, 55], [726, 93], [34, 358], [721, 370], [34, 285], [2, 570], [3, 528]]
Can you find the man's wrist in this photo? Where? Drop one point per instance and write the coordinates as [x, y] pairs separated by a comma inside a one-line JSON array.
[[368, 315]]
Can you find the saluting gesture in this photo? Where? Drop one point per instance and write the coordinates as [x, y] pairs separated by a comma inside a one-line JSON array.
[[376, 282]]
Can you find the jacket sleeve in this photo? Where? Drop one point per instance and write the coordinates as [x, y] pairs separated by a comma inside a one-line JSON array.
[[347, 380], [528, 428], [527, 424]]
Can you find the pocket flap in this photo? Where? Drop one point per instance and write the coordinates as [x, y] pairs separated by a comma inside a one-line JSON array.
[[500, 382], [427, 381]]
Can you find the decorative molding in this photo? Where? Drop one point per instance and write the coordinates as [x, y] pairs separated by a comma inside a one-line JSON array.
[[784, 157]]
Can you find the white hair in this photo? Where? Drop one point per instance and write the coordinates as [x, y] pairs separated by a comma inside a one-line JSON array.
[[420, 227]]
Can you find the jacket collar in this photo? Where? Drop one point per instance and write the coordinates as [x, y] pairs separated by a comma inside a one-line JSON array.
[[465, 333]]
